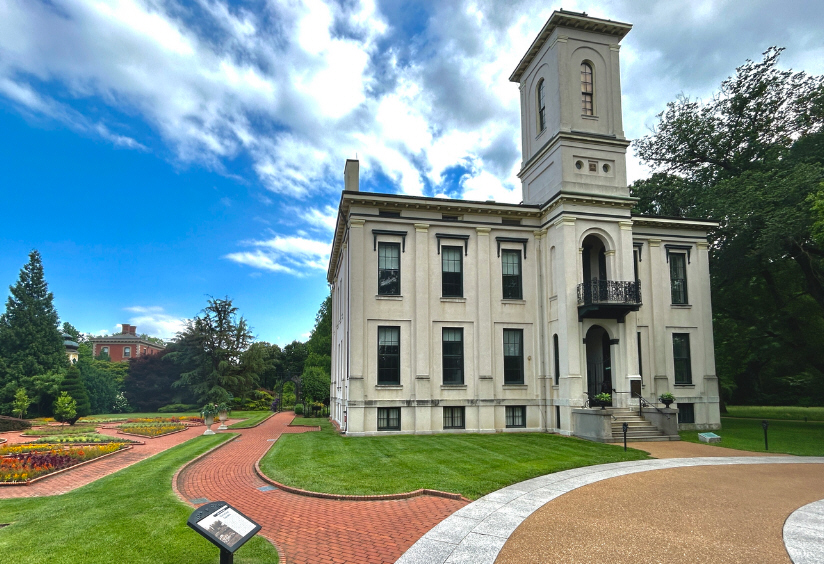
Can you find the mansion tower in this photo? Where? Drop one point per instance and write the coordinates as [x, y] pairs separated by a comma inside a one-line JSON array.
[[460, 316]]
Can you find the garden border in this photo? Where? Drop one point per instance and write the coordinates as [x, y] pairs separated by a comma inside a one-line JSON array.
[[30, 482], [192, 461], [154, 437], [349, 497]]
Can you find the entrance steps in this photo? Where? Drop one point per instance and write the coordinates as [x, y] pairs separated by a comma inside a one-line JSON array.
[[639, 429]]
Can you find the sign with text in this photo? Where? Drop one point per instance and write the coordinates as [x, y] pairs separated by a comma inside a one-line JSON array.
[[222, 524]]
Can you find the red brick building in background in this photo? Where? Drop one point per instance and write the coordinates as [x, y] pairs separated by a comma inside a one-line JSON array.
[[124, 346]]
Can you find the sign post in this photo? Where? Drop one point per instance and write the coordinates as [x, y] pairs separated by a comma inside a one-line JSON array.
[[625, 427], [765, 424], [226, 527]]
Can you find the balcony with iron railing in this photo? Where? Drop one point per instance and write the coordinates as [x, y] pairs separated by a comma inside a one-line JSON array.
[[608, 299]]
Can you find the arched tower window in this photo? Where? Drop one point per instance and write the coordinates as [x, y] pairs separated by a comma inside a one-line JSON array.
[[586, 90], [541, 106]]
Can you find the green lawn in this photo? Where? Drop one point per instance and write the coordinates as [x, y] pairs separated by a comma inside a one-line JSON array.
[[470, 464], [251, 418], [131, 516], [787, 437], [771, 412]]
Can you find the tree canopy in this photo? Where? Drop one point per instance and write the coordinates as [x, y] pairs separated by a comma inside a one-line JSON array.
[[752, 158]]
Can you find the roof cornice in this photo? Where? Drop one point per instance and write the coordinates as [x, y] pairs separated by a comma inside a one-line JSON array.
[[572, 20]]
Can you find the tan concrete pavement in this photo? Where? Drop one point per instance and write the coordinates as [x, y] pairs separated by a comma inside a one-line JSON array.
[[704, 514]]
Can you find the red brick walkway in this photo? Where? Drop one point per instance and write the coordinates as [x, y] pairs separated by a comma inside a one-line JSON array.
[[309, 530], [77, 477]]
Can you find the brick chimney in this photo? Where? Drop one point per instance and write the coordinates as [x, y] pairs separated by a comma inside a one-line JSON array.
[[128, 329], [351, 175]]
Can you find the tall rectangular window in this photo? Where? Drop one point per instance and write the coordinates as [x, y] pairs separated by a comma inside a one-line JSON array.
[[511, 267], [452, 277], [557, 351], [389, 269], [389, 356], [127, 352], [453, 360], [453, 418], [516, 416], [389, 419], [678, 277], [681, 355], [513, 356], [640, 363]]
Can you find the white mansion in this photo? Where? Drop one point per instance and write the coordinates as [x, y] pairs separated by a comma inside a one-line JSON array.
[[460, 316]]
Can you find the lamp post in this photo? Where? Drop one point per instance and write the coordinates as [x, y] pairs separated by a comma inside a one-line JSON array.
[[625, 426], [765, 424]]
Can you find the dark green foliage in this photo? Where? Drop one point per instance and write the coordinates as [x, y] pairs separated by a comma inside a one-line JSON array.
[[315, 384], [69, 329], [103, 379], [32, 354], [178, 407], [215, 351], [13, 424], [752, 158], [294, 357], [150, 382], [298, 409], [73, 385]]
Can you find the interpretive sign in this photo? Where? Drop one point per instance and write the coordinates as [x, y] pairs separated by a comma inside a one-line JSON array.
[[709, 438], [224, 525]]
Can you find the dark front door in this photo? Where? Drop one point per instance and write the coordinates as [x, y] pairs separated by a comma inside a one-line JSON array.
[[599, 362]]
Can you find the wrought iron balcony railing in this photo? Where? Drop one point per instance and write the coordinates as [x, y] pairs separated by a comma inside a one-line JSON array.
[[609, 292]]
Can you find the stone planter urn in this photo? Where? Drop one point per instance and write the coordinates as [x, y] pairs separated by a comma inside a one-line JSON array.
[[208, 420], [666, 402], [223, 416]]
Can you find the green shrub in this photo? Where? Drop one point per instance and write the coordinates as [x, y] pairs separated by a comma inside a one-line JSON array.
[[298, 409], [12, 424], [177, 407]]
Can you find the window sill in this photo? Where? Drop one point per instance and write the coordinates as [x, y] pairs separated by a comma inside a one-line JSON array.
[[518, 301], [453, 386], [684, 385], [516, 426], [453, 299], [682, 306], [585, 116], [388, 387], [388, 297], [515, 386], [454, 428]]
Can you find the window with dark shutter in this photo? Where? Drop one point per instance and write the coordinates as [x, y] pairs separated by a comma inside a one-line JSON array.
[[452, 275], [453, 361], [389, 269], [389, 353], [512, 281], [513, 356], [681, 356]]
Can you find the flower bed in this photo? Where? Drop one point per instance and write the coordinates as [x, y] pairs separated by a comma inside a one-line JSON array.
[[151, 429], [60, 430], [83, 439], [21, 466]]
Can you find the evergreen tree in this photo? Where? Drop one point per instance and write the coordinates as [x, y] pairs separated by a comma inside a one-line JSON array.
[[30, 339], [73, 385]]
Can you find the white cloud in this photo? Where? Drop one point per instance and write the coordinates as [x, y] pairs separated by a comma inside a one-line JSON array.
[[153, 321], [291, 255]]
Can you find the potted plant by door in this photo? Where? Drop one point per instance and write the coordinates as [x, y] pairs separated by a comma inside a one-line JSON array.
[[666, 398], [208, 412], [223, 415], [603, 399]]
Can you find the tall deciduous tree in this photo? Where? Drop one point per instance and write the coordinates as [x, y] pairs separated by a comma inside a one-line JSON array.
[[73, 385], [216, 344], [753, 159]]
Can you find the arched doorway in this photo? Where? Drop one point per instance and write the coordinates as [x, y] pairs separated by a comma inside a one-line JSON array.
[[599, 361]]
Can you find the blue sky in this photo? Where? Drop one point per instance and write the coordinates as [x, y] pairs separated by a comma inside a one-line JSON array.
[[157, 152]]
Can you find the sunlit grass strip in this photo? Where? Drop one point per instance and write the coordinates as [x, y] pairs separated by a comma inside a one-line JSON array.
[[255, 418], [469, 464], [59, 430], [107, 521], [776, 412]]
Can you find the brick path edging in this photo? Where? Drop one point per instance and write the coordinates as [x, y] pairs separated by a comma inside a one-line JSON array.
[[72, 467], [192, 461], [349, 497]]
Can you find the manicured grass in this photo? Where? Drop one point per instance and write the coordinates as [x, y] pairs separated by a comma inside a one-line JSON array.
[[252, 418], [787, 437], [773, 412], [470, 464], [131, 516]]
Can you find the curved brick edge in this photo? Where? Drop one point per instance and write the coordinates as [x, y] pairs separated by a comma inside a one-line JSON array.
[[154, 437], [258, 424], [2, 440], [132, 443], [35, 480], [348, 497], [802, 534], [192, 461]]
